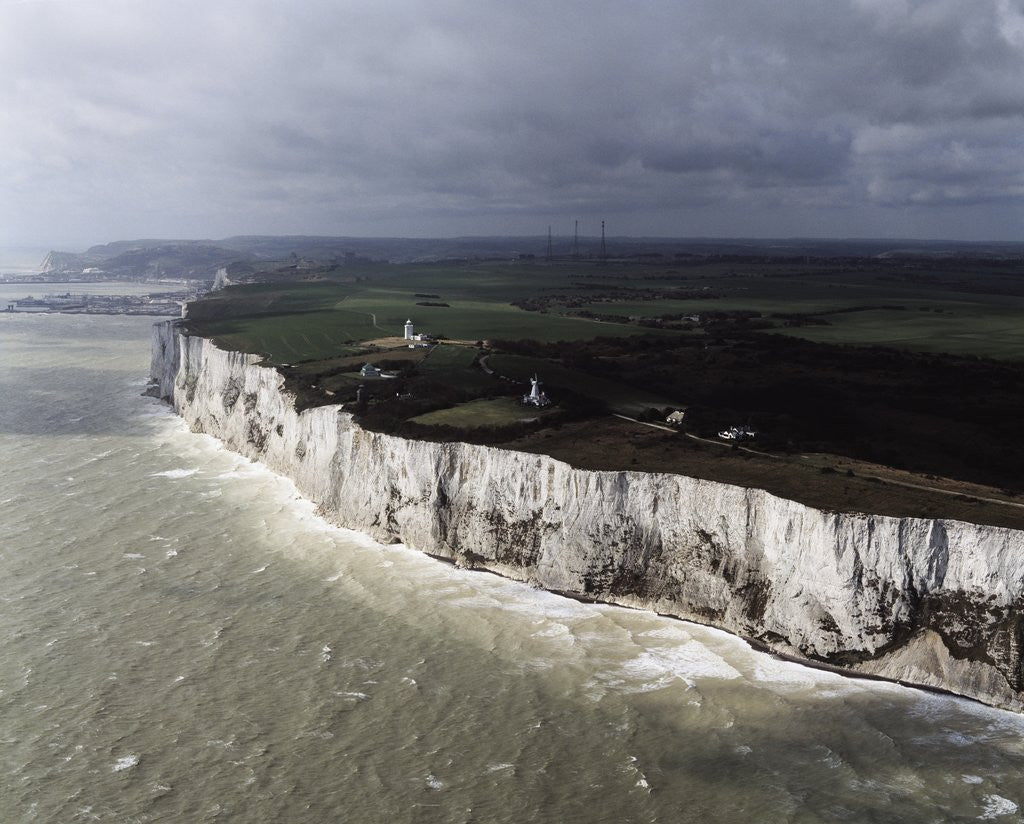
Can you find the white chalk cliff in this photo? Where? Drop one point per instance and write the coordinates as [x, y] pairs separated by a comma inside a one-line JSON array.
[[928, 602]]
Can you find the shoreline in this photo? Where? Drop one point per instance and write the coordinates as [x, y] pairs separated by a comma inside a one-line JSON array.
[[752, 644], [739, 560]]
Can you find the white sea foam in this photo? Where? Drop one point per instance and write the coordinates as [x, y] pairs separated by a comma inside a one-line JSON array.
[[261, 569], [479, 601], [242, 472], [785, 675], [434, 782], [175, 474], [556, 630], [657, 668], [673, 632], [358, 696], [125, 762], [971, 779], [134, 555], [996, 807]]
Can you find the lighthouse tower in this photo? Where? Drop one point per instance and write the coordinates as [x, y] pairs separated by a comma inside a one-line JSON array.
[[409, 333]]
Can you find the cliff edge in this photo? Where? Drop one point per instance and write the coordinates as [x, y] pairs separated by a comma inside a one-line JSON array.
[[928, 602]]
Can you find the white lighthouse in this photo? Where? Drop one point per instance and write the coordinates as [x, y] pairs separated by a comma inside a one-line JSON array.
[[410, 333]]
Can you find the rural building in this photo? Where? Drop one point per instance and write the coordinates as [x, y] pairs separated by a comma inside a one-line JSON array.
[[369, 371], [537, 397], [676, 418], [737, 433], [410, 333]]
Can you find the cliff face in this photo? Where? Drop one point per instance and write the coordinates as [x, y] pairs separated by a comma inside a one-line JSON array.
[[930, 602], [62, 263]]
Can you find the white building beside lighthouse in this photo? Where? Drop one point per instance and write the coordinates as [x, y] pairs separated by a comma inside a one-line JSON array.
[[537, 397]]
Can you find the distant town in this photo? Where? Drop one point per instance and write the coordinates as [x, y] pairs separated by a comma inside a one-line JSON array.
[[160, 304]]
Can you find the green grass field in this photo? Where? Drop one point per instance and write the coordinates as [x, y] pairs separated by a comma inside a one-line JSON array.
[[289, 321], [933, 319], [447, 357], [993, 332], [481, 414], [728, 367], [292, 337], [620, 397], [474, 320]]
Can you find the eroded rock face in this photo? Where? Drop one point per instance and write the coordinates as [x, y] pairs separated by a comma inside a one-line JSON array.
[[931, 602]]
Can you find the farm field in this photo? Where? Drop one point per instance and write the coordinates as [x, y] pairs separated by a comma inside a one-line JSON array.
[[488, 412], [850, 357], [620, 397], [294, 337], [474, 320], [296, 321], [972, 310], [954, 327]]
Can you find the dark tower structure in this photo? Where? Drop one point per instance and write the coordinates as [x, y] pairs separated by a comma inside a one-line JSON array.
[[604, 250], [549, 243], [576, 240]]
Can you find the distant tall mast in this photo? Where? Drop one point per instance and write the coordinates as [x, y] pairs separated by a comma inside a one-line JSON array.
[[549, 242], [576, 240], [604, 251]]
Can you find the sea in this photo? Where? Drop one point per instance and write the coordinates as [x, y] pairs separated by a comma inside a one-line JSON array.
[[182, 639]]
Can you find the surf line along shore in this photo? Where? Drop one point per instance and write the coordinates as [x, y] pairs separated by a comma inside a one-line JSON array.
[[929, 602]]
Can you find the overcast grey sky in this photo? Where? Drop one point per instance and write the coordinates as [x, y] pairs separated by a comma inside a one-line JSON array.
[[205, 118]]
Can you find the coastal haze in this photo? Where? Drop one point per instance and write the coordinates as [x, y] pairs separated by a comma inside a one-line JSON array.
[[183, 639]]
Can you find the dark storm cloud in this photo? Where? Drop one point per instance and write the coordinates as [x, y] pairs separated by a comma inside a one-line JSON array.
[[462, 116]]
